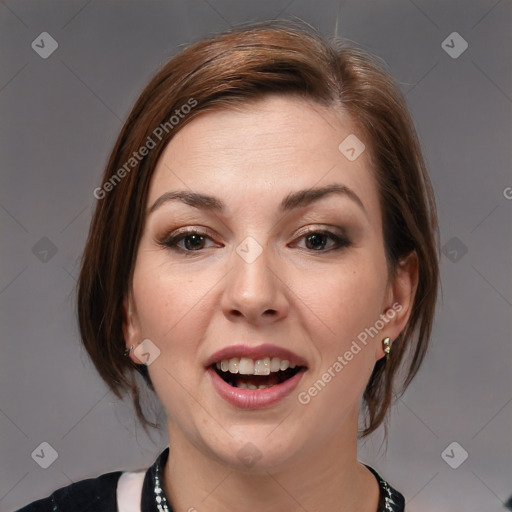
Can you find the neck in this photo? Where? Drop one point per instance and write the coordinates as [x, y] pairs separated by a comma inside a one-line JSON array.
[[329, 477]]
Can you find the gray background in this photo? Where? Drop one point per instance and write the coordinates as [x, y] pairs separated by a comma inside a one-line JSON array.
[[60, 119]]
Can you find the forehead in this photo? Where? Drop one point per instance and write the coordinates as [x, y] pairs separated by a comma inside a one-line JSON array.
[[263, 149]]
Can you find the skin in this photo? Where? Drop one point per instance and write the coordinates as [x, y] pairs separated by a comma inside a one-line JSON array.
[[313, 302]]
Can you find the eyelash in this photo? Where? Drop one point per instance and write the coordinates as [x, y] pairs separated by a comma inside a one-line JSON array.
[[171, 242]]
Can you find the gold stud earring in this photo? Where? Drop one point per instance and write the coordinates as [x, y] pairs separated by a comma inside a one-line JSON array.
[[386, 343]]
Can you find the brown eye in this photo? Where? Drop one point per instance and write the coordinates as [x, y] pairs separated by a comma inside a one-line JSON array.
[[324, 241], [193, 242], [316, 241], [187, 241]]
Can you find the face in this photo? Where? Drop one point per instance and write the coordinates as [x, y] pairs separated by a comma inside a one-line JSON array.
[[261, 278]]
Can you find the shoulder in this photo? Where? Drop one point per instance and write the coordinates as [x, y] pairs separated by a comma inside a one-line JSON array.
[[108, 492], [94, 494], [390, 500]]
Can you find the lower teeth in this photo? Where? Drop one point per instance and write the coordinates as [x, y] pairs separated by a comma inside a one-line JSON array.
[[244, 385], [256, 381]]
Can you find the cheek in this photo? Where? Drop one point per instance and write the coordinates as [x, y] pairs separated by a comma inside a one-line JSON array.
[[348, 301], [169, 309], [174, 307], [348, 297], [348, 304], [166, 297]]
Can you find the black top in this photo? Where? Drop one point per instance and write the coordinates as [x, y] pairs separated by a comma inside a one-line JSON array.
[[99, 494]]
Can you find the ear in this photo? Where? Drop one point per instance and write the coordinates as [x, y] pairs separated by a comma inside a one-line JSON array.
[[399, 300], [131, 327]]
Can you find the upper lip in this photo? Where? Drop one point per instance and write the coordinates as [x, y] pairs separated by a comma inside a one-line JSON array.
[[255, 353]]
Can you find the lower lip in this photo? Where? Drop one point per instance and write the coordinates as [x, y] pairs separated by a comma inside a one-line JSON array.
[[254, 398]]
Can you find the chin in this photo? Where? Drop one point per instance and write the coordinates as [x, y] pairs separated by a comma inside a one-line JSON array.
[[256, 448]]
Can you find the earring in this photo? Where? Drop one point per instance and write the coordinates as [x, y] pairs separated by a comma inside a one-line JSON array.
[[128, 350], [386, 343]]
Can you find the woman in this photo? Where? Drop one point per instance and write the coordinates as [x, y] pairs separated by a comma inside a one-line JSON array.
[[264, 253]]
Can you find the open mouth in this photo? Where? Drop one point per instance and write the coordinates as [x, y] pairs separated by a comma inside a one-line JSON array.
[[246, 373]]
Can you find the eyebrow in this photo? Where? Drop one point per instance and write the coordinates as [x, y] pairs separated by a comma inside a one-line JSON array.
[[298, 199]]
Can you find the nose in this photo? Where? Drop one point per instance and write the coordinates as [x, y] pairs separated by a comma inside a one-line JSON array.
[[254, 290]]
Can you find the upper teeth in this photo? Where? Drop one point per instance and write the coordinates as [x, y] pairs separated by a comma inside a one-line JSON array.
[[246, 366]]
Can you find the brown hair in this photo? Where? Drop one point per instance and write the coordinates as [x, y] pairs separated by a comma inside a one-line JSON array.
[[233, 68]]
